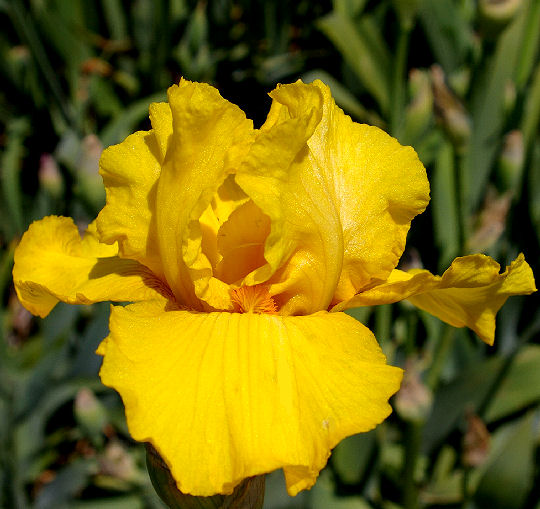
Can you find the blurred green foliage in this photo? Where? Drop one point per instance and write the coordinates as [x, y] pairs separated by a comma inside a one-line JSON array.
[[457, 79]]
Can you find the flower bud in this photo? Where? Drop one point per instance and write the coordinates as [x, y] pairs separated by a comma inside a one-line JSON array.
[[476, 442], [511, 161], [249, 494], [509, 98], [82, 158], [419, 112], [116, 462], [495, 15], [414, 399], [90, 182], [490, 222], [49, 176], [406, 11], [90, 414], [450, 111]]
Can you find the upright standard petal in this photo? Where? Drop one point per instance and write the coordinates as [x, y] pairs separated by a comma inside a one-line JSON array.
[[225, 396], [468, 294], [130, 172], [342, 204], [53, 264], [304, 249], [378, 186], [210, 137]]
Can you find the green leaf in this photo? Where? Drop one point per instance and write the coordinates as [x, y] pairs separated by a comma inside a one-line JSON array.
[[11, 160], [115, 18], [144, 13], [531, 110], [448, 34], [59, 32], [419, 118], [444, 206], [364, 51], [508, 476], [530, 45], [59, 493], [521, 386], [469, 390], [349, 8], [351, 458], [487, 112], [25, 27], [534, 187], [323, 496]]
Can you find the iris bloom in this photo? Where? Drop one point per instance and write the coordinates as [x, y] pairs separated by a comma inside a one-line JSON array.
[[239, 248]]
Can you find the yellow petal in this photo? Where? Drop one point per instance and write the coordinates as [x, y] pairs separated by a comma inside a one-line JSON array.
[[341, 197], [468, 294], [377, 185], [225, 396], [161, 119], [210, 137], [241, 243], [130, 172], [304, 249], [228, 198], [53, 264]]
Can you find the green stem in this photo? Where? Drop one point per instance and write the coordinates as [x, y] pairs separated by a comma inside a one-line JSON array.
[[439, 358], [465, 492], [11, 483], [529, 45], [413, 441], [463, 193], [383, 319]]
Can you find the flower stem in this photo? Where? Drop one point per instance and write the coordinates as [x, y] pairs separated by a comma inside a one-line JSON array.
[[383, 326], [440, 356], [413, 441]]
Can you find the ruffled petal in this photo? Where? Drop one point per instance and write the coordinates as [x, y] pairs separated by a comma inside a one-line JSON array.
[[53, 264], [468, 294], [225, 396], [305, 248], [210, 137], [341, 197], [130, 172], [377, 185]]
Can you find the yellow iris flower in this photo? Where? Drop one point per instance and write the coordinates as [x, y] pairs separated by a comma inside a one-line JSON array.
[[239, 248]]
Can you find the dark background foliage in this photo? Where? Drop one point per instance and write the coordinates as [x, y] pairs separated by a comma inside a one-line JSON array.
[[457, 79]]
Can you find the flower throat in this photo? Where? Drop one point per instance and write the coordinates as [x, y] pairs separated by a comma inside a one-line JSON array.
[[253, 299]]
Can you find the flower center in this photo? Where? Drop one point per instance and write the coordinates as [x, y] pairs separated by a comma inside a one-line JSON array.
[[253, 299]]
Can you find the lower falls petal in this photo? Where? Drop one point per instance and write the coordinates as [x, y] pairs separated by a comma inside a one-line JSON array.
[[226, 396]]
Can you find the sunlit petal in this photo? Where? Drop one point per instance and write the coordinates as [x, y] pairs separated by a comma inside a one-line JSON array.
[[210, 137], [341, 197], [130, 172], [242, 394], [304, 248], [468, 294], [53, 264], [377, 185]]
